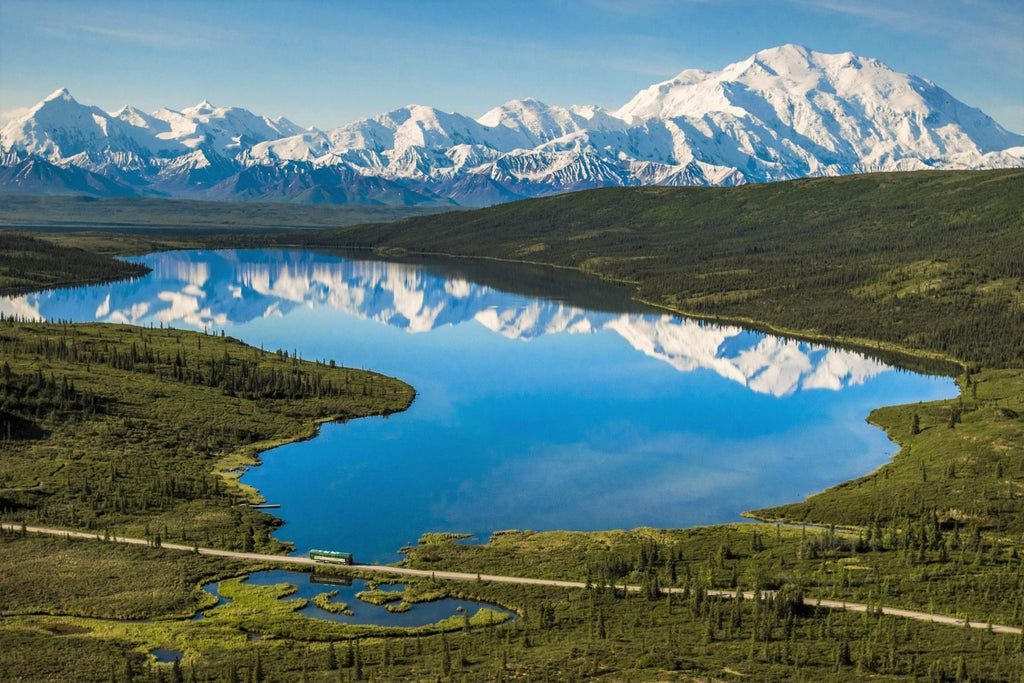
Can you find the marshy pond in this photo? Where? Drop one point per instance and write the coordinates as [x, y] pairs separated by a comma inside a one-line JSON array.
[[356, 601]]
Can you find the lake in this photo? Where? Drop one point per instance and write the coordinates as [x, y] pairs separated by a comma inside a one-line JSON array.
[[545, 400]]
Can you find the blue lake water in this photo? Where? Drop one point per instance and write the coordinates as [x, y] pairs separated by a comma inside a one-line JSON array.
[[309, 586], [166, 656], [543, 401]]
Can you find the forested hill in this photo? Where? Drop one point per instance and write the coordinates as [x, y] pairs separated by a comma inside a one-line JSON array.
[[929, 261], [28, 263]]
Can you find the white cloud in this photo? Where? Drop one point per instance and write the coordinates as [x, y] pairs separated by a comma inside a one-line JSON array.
[[12, 114]]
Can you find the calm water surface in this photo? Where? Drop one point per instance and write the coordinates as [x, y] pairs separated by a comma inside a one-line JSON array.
[[563, 407]]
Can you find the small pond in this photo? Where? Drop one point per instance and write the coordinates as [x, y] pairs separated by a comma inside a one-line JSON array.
[[311, 585], [166, 656]]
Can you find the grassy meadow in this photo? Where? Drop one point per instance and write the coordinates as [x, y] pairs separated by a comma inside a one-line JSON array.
[[561, 634]]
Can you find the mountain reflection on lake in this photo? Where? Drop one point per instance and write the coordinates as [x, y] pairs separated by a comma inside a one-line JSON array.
[[565, 406]]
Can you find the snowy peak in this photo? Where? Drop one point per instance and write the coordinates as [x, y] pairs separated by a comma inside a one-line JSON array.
[[59, 128], [204, 108], [306, 146], [823, 114], [59, 94], [790, 70], [782, 113], [286, 127], [226, 131], [537, 123], [139, 119], [420, 126], [58, 103]]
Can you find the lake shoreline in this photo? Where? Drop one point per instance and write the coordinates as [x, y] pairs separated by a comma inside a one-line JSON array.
[[867, 346], [251, 455]]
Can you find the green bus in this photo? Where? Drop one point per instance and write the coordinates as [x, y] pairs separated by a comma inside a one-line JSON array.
[[331, 557]]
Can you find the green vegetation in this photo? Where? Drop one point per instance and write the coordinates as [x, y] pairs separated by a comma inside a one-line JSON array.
[[414, 592], [561, 634], [137, 431], [443, 537], [915, 565], [425, 592], [129, 600], [28, 263], [964, 466], [926, 264], [46, 575], [325, 602], [930, 262], [376, 596], [174, 215]]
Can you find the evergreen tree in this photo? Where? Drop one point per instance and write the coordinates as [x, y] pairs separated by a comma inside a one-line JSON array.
[[332, 660]]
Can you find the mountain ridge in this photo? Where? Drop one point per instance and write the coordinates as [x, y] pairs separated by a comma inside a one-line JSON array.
[[782, 113]]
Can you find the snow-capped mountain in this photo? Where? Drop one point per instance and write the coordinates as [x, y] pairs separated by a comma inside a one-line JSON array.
[[790, 109], [783, 113]]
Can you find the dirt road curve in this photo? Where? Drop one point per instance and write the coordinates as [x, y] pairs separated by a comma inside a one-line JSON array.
[[460, 576]]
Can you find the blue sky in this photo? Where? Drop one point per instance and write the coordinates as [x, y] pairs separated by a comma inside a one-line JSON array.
[[328, 63]]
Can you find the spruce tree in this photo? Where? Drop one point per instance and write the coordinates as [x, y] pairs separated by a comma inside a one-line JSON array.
[[332, 660]]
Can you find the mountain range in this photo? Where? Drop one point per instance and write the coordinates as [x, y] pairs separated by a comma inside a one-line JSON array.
[[783, 113]]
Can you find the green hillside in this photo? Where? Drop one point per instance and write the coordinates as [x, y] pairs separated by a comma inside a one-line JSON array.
[[28, 263], [929, 261], [141, 430]]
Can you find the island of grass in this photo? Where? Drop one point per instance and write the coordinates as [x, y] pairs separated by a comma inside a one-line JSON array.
[[378, 597], [325, 601], [412, 593], [443, 537]]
